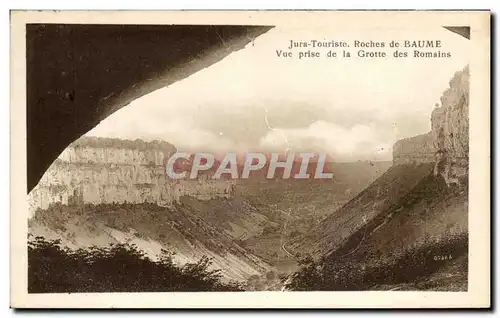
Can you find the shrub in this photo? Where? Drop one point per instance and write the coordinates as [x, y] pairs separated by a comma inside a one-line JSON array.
[[416, 264], [115, 268]]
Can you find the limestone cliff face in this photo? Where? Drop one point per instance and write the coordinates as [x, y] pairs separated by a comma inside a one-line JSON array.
[[447, 143], [103, 170], [419, 149], [451, 126]]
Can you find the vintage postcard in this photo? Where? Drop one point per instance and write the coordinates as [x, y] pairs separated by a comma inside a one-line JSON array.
[[240, 159]]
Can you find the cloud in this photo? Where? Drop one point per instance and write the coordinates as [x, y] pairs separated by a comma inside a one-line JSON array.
[[360, 142], [352, 109]]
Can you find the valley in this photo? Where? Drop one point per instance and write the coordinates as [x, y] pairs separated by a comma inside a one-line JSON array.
[[400, 225], [244, 234]]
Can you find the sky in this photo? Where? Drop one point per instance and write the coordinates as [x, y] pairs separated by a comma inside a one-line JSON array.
[[253, 100]]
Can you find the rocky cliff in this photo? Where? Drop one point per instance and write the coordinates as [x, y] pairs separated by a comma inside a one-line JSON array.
[[419, 149], [447, 144], [105, 170]]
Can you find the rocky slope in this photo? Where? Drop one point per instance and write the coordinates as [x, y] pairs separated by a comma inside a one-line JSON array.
[[412, 238], [419, 206], [377, 198], [177, 228]]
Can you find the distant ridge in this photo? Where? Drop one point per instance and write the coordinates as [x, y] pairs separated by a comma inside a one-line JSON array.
[[139, 144]]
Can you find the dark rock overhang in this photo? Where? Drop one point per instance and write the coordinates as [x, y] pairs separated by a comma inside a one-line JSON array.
[[461, 30], [77, 75]]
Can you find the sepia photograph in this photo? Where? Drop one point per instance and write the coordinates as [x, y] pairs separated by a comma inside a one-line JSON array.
[[178, 153]]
